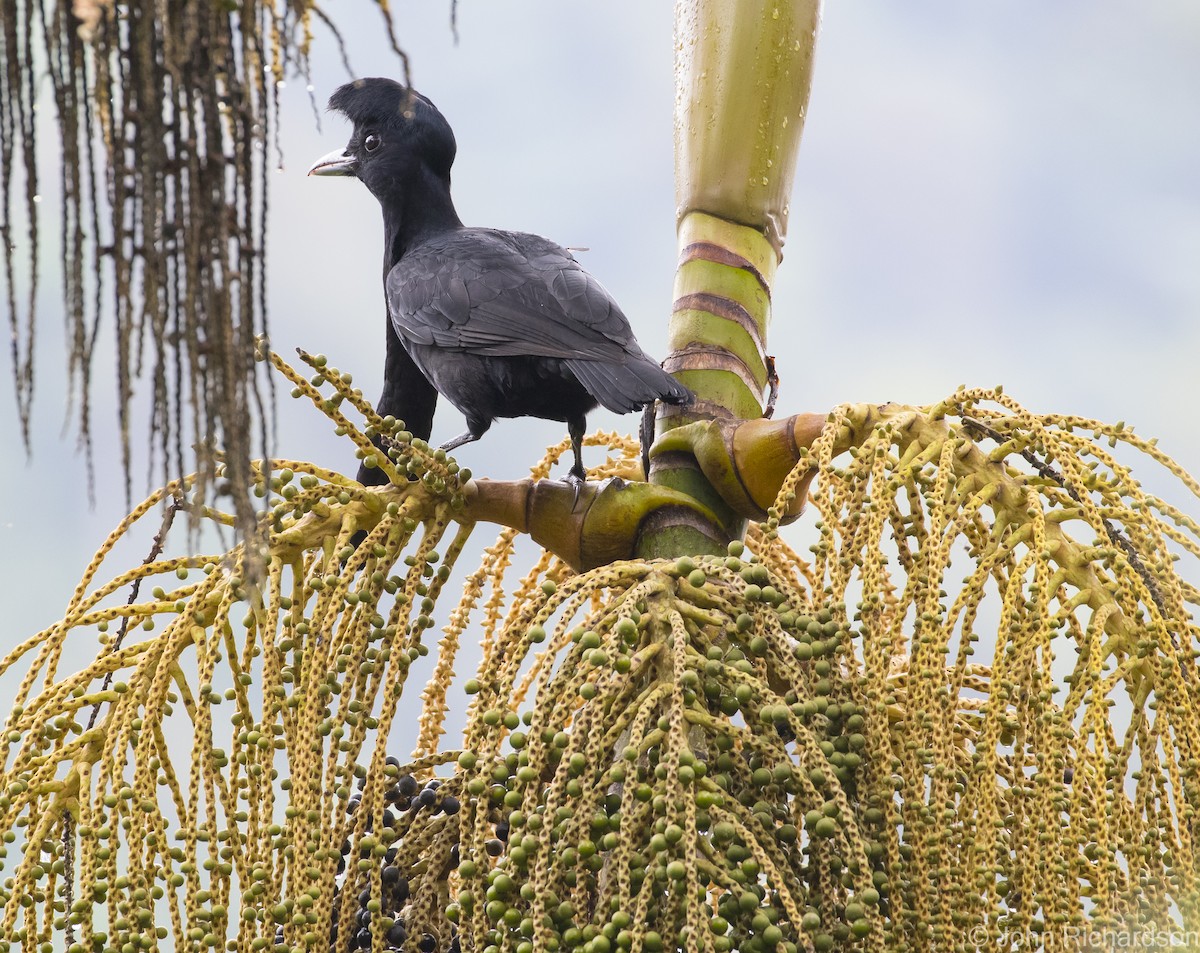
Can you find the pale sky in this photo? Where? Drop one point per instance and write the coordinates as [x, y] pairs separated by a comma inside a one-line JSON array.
[[1004, 192]]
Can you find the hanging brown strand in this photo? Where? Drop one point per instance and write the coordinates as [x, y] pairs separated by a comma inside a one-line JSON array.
[[165, 114]]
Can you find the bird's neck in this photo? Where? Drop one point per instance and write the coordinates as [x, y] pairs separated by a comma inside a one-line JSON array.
[[423, 209]]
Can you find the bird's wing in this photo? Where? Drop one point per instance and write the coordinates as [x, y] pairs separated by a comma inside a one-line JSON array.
[[505, 293]]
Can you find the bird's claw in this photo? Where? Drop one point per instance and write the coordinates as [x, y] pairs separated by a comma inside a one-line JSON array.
[[575, 481]]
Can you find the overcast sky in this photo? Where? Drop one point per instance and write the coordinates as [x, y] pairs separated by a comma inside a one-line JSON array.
[[987, 193]]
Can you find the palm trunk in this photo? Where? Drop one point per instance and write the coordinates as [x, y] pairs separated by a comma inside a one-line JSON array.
[[743, 72]]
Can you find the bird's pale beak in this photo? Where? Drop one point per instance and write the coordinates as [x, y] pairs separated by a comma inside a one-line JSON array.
[[338, 162]]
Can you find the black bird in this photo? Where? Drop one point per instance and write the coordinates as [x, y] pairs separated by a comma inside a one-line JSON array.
[[503, 324]]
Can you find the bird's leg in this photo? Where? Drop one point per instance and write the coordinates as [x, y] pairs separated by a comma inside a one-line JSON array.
[[407, 396], [577, 475]]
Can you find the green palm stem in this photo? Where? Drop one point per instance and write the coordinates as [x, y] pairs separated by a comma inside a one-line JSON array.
[[743, 73]]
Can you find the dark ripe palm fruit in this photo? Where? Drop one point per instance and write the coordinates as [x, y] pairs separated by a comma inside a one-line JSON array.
[[390, 875], [400, 891], [362, 939], [450, 804], [428, 943], [494, 847], [407, 786], [396, 934]]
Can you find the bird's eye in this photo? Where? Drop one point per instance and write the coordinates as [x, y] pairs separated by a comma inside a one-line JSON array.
[[372, 142]]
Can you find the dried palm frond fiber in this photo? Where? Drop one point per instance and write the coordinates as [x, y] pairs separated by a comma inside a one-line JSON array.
[[964, 719], [166, 115]]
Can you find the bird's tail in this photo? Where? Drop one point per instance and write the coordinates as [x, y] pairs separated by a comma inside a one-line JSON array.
[[624, 388]]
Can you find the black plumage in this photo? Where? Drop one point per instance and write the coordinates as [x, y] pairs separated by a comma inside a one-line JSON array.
[[503, 324]]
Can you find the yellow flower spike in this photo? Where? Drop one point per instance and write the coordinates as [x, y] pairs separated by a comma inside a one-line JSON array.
[[434, 706], [336, 416], [868, 676]]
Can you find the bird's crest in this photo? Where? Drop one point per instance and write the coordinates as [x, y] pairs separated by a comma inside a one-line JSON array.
[[377, 101]]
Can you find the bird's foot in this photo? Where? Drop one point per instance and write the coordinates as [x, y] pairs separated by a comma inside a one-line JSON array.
[[470, 436], [575, 479]]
